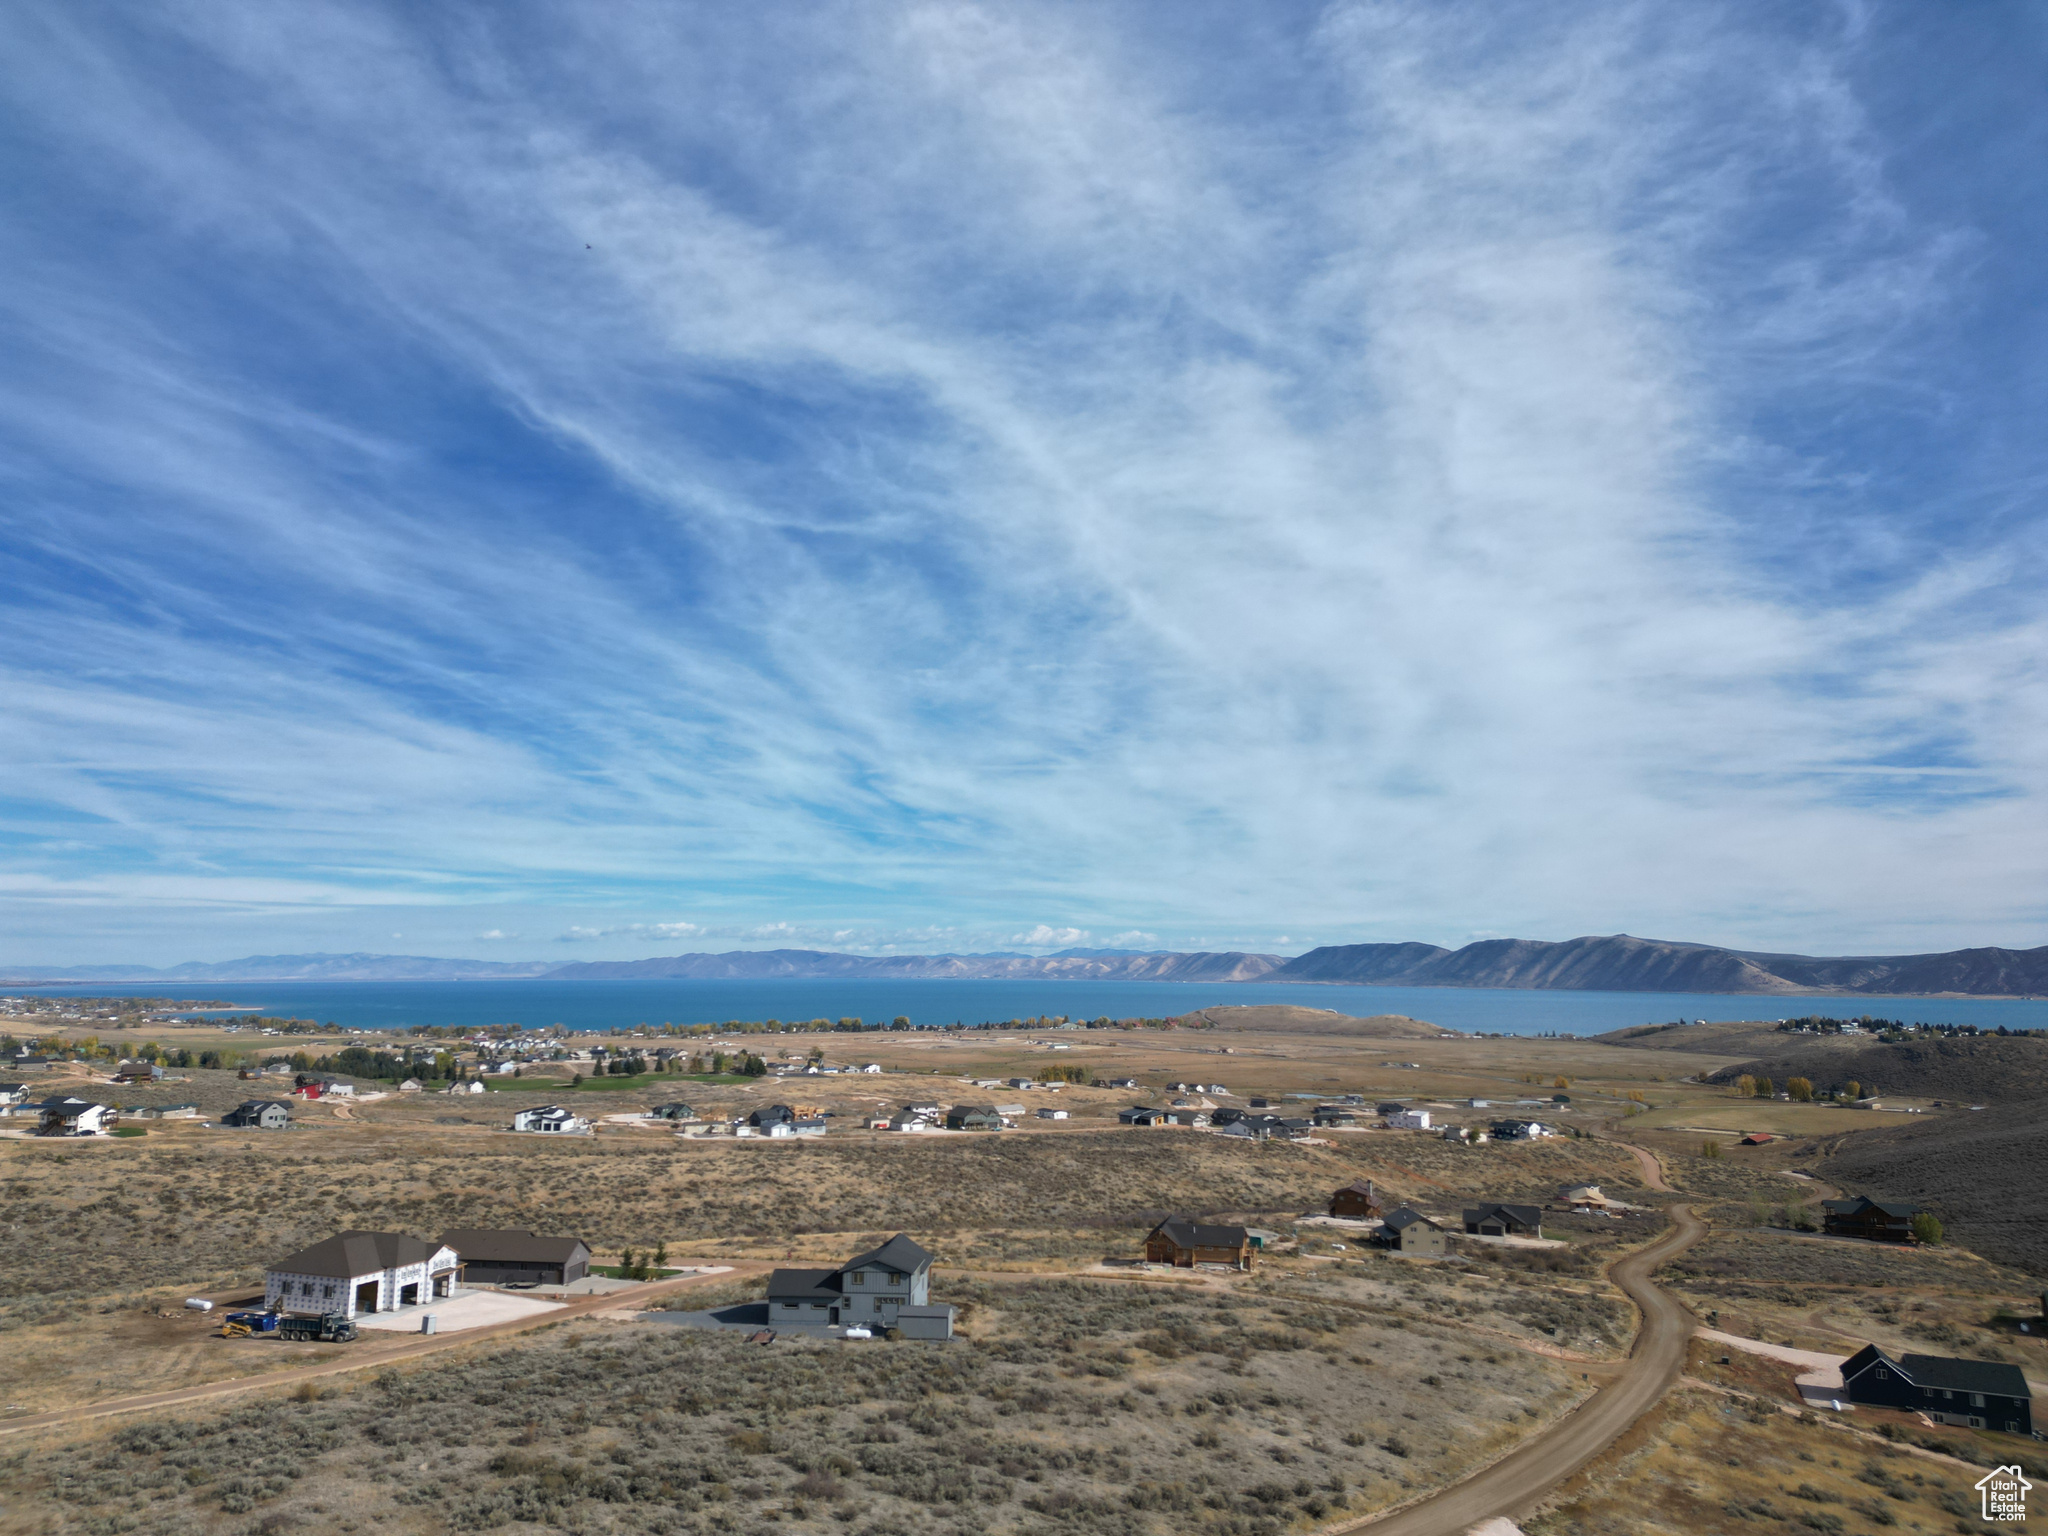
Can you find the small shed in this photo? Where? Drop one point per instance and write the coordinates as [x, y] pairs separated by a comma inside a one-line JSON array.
[[925, 1322], [1757, 1139]]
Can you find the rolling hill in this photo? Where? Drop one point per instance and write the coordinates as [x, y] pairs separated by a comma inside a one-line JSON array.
[[1623, 963], [1984, 1174]]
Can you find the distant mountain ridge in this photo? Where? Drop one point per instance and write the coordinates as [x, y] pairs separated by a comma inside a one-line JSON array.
[[735, 965], [1622, 963], [1068, 965], [356, 967], [1616, 963]]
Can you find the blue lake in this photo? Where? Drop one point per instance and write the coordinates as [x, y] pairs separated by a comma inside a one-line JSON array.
[[612, 1004]]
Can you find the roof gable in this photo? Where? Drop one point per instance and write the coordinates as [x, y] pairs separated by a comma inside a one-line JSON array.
[[1864, 1358], [899, 1254], [1407, 1217], [347, 1255]]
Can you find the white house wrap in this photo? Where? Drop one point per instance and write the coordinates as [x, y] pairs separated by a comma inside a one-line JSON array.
[[360, 1272]]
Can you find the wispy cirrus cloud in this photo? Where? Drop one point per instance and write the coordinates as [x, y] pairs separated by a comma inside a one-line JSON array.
[[916, 468]]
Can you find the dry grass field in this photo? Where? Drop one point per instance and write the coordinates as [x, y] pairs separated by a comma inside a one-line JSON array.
[[1739, 1117], [1073, 1407], [1330, 1382], [1719, 1454], [105, 1231]]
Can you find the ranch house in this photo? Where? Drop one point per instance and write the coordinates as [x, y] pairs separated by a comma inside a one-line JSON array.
[[1185, 1244]]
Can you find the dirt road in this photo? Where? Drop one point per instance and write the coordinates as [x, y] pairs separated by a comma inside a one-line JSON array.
[[1653, 1171], [1536, 1466], [369, 1352]]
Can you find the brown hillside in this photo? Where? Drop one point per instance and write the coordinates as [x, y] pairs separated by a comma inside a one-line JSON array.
[[1984, 1174], [1284, 1018], [1734, 1038], [1979, 1069]]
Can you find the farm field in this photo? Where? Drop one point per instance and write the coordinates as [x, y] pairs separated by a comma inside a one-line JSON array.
[[1739, 1117]]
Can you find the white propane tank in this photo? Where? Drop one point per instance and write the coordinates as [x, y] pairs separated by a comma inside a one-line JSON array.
[[194, 1304]]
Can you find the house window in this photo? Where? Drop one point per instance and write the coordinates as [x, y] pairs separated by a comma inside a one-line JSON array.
[[860, 1277], [1884, 1375], [1976, 1399]]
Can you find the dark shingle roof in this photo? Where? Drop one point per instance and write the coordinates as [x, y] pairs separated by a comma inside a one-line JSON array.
[[1945, 1373], [1195, 1234], [1859, 1203], [488, 1245], [803, 1284], [899, 1254], [1525, 1215], [348, 1254], [1406, 1217]]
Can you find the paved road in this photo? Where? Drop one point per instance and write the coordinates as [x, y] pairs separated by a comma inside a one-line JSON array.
[[369, 1351], [1538, 1465]]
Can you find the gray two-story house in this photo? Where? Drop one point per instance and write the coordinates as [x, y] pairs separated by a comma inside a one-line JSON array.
[[887, 1287]]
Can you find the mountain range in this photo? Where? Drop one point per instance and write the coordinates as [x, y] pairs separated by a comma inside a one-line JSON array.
[[1622, 963], [1614, 963]]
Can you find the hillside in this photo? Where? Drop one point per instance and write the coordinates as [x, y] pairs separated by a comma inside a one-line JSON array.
[[317, 967], [1067, 966], [1280, 1018], [1750, 1037], [1984, 1174], [1622, 963], [1977, 1069]]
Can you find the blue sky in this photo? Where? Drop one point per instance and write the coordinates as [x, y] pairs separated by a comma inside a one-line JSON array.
[[605, 480]]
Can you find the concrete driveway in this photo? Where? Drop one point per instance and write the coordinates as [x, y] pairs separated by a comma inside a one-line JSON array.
[[470, 1309]]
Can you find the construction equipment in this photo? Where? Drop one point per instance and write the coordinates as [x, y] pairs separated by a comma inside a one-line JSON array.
[[230, 1329], [331, 1329], [240, 1325]]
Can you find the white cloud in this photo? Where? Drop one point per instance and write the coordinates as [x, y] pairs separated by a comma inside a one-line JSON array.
[[1043, 937], [1330, 510]]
